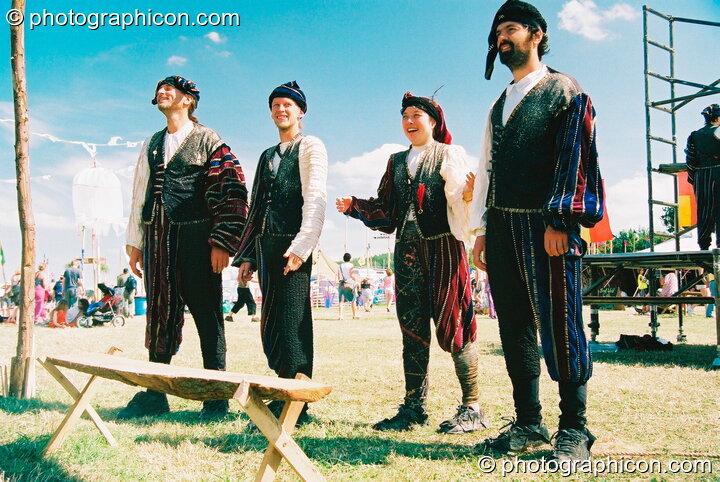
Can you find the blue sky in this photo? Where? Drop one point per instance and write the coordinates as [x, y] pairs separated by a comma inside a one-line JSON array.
[[354, 60]]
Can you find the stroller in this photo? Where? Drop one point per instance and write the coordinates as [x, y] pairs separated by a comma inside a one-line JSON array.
[[107, 310]]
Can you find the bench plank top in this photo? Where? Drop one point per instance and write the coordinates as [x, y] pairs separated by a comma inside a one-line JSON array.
[[191, 383]]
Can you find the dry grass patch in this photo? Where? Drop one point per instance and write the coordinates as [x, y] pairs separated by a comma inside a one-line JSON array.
[[664, 403]]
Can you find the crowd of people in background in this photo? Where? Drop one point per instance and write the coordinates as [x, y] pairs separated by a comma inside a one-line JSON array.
[[361, 289], [55, 309], [61, 302]]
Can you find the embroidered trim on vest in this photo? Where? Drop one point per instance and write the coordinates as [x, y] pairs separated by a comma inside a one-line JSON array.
[[428, 164], [266, 172]]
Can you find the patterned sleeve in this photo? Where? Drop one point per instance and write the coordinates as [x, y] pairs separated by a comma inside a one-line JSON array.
[[577, 193], [691, 158], [226, 197], [378, 213]]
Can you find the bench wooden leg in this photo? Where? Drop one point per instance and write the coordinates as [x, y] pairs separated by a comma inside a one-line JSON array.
[[288, 418], [82, 404], [276, 434], [70, 388]]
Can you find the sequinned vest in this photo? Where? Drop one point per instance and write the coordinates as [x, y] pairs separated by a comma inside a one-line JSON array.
[[523, 150], [707, 147], [180, 186], [431, 216], [282, 201]]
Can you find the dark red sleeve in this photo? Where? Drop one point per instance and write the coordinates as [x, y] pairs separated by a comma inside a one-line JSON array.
[[378, 213], [226, 197]]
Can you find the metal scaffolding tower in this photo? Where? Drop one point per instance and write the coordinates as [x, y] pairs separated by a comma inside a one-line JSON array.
[[668, 105]]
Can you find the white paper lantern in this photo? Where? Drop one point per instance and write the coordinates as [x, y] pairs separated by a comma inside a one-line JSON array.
[[97, 200]]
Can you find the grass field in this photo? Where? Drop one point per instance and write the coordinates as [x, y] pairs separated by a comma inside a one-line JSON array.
[[662, 403]]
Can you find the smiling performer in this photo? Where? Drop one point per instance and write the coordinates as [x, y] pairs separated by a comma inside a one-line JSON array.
[[189, 206], [287, 212], [425, 195], [544, 183]]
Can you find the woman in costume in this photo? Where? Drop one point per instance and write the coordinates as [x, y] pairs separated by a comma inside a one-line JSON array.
[[425, 195]]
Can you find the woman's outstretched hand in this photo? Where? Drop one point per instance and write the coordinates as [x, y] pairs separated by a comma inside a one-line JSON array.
[[343, 204]]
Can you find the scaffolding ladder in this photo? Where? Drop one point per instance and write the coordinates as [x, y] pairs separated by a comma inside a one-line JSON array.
[[668, 105]]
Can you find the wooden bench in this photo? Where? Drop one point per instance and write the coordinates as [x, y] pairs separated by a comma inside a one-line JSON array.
[[197, 384]]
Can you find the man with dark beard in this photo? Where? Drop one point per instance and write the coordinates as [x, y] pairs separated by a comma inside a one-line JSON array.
[[539, 181]]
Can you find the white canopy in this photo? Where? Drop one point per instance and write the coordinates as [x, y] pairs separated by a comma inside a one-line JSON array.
[[323, 267], [688, 242], [97, 200]]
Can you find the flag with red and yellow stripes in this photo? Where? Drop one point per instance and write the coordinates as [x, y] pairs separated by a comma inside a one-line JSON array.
[[687, 204]]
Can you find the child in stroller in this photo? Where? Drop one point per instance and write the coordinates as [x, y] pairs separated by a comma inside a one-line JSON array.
[[107, 310]]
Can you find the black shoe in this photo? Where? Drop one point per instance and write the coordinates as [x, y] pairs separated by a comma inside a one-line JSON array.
[[465, 420], [276, 407], [304, 417], [403, 420], [214, 410], [229, 318], [149, 403], [517, 438], [572, 444]]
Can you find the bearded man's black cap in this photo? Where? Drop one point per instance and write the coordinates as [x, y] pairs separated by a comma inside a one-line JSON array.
[[511, 11]]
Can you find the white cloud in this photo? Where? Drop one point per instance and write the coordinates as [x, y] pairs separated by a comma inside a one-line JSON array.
[[358, 176], [361, 175], [623, 11], [211, 50], [111, 55], [7, 109], [57, 236], [627, 201], [176, 60], [215, 37], [7, 121], [583, 17]]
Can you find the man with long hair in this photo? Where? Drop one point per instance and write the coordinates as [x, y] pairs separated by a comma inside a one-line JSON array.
[[189, 206]]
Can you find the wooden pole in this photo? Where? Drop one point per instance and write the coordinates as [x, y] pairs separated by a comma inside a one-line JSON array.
[[22, 372]]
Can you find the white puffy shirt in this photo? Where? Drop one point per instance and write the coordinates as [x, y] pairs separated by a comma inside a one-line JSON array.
[[454, 170], [313, 163]]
